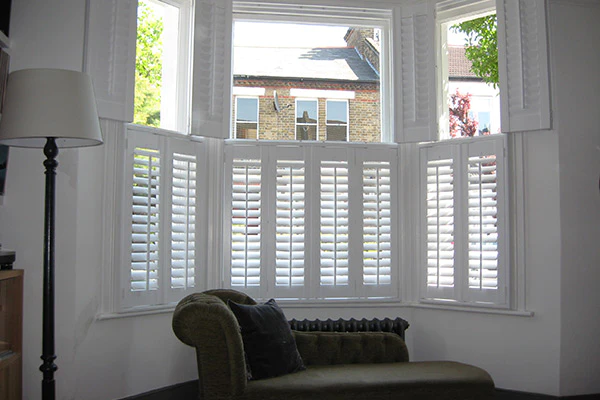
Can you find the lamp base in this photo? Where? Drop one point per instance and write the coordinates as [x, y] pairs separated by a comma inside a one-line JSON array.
[[48, 367]]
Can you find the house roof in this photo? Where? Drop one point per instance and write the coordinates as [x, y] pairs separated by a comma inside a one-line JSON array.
[[458, 64], [331, 63]]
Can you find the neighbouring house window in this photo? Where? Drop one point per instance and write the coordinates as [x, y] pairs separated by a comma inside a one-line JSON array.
[[246, 118], [307, 119], [337, 120]]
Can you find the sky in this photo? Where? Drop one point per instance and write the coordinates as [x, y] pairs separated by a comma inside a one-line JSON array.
[[272, 34]]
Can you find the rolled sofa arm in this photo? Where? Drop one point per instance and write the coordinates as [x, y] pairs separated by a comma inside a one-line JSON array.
[[329, 348], [206, 323]]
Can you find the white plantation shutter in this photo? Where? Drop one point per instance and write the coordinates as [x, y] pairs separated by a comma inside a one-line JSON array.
[[464, 224], [245, 208], [212, 79], [297, 226], [414, 75], [162, 216], [523, 65], [290, 227], [110, 56], [439, 227], [379, 276], [181, 238], [486, 222], [183, 221], [142, 225], [334, 221]]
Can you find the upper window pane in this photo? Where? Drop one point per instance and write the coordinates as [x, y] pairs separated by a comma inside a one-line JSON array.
[[337, 112], [470, 65], [161, 64], [247, 110], [246, 124], [312, 76]]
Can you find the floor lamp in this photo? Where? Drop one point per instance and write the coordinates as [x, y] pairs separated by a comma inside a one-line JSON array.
[[49, 109]]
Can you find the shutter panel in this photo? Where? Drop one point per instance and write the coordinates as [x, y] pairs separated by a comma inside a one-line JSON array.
[[377, 224], [378, 169], [334, 220], [290, 210], [211, 88], [143, 200], [245, 212], [485, 202], [183, 217], [414, 78], [523, 65], [439, 230], [110, 56]]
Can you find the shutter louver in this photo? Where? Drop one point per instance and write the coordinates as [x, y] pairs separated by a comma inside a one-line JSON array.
[[183, 221], [414, 32], [334, 216], [377, 224], [483, 226], [290, 209], [440, 224], [211, 88], [246, 223], [145, 220], [523, 65]]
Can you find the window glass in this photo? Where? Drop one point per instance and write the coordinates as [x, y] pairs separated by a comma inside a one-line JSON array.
[[307, 65], [161, 60], [337, 120], [470, 65], [246, 126], [306, 119]]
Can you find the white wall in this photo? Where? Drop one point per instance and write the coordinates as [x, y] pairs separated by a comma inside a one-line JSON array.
[[575, 36], [120, 357]]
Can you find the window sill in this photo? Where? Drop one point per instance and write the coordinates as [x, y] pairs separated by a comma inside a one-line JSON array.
[[471, 309], [381, 303], [137, 312]]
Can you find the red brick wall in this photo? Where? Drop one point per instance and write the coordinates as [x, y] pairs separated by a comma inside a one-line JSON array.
[[364, 109]]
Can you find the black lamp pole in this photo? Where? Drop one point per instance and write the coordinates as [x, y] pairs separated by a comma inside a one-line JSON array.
[[48, 367]]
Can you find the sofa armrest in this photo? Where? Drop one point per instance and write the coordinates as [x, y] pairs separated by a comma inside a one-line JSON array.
[[206, 323], [329, 348]]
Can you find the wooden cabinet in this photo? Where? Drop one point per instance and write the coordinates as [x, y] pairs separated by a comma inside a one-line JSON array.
[[11, 334]]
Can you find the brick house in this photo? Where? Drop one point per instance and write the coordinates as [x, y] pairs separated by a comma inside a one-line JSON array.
[[307, 93]]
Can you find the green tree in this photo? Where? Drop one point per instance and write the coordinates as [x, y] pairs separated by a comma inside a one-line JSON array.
[[481, 46], [148, 67]]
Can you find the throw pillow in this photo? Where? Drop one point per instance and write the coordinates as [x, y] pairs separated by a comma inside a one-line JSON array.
[[268, 341]]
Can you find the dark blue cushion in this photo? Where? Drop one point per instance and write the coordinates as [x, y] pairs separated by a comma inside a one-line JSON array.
[[268, 341]]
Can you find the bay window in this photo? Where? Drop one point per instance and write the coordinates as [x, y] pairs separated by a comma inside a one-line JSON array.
[[322, 220]]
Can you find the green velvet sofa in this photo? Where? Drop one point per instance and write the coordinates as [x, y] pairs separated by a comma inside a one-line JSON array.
[[339, 365]]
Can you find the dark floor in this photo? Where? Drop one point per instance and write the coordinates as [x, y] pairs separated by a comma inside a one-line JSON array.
[[189, 390]]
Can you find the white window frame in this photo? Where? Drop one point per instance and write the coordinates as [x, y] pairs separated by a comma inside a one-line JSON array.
[[330, 13], [347, 124], [447, 14], [296, 124], [175, 88], [257, 115]]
